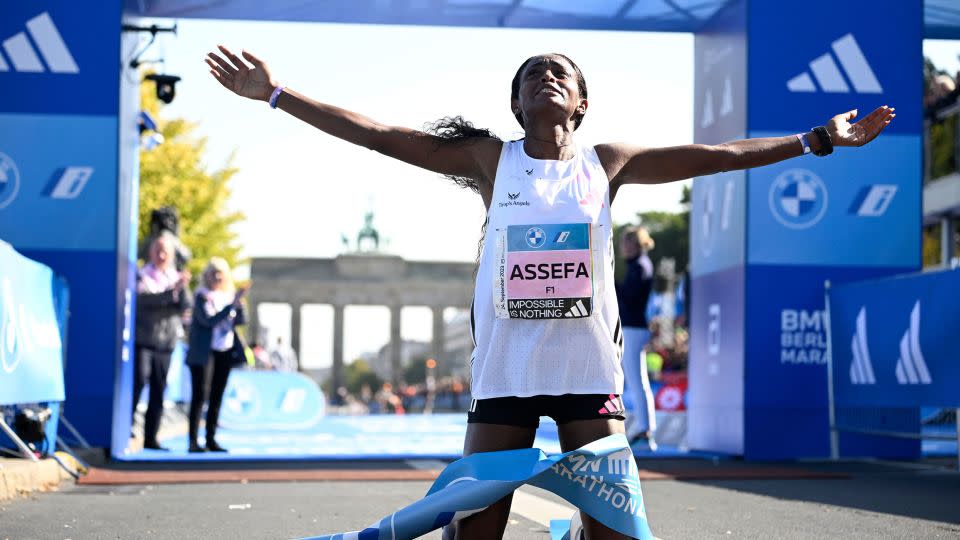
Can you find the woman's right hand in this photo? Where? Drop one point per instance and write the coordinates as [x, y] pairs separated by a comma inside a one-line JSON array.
[[238, 298], [235, 75]]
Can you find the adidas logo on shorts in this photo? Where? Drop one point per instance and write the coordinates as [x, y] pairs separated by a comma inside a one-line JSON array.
[[613, 406]]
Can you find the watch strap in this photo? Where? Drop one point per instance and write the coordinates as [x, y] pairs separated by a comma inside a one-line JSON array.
[[826, 144]]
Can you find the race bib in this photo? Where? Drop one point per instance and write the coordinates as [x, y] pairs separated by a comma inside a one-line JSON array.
[[544, 272]]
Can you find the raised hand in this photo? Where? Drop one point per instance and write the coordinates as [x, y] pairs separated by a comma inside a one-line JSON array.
[[235, 75], [843, 133]]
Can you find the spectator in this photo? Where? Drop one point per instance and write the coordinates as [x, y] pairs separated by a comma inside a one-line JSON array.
[[632, 295], [261, 359], [162, 298], [166, 219], [213, 334], [283, 357]]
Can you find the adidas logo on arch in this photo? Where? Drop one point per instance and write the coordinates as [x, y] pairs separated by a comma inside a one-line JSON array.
[[911, 367], [830, 77], [46, 37]]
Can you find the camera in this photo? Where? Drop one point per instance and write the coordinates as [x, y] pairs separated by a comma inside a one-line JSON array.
[[165, 86]]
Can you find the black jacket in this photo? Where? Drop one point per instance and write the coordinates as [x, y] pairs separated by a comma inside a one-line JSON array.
[[158, 322], [634, 292], [201, 329]]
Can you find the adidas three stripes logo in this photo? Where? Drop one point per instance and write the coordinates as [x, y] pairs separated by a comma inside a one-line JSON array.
[[46, 38], [830, 77]]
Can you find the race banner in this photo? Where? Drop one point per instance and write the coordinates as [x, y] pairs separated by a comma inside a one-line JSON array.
[[599, 478], [893, 341]]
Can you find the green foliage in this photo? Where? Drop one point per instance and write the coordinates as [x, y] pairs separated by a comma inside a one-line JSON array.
[[416, 372], [943, 140], [174, 174], [358, 373], [931, 246]]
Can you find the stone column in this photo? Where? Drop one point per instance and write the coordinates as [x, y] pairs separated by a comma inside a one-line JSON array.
[[395, 346], [946, 241], [337, 347], [439, 339], [295, 308], [253, 320]]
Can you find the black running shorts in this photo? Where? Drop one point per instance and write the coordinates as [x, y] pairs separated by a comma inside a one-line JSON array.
[[526, 411]]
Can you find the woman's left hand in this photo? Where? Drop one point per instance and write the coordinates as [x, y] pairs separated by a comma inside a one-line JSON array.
[[843, 133]]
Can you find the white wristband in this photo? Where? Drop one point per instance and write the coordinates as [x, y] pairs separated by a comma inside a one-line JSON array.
[[802, 137]]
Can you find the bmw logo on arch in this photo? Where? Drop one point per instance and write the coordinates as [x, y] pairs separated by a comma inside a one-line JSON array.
[[9, 180], [536, 237], [798, 198]]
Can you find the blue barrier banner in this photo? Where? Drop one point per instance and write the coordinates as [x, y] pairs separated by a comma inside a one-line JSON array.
[[31, 349], [894, 341], [599, 478], [270, 400]]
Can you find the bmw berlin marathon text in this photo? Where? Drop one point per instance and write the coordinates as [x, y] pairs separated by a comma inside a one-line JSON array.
[[803, 338]]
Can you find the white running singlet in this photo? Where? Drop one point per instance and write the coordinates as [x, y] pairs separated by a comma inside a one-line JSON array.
[[545, 318]]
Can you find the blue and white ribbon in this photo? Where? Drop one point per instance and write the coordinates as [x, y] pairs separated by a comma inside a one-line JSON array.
[[599, 478]]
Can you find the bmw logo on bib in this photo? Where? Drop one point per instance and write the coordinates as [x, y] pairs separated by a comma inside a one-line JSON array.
[[798, 198], [536, 237]]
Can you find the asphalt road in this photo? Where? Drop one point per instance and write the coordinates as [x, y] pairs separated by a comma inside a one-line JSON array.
[[876, 500]]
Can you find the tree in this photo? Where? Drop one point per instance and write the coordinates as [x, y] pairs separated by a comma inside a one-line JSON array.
[[416, 372], [173, 174], [357, 374]]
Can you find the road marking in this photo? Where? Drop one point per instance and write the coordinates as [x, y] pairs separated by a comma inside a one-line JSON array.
[[540, 510]]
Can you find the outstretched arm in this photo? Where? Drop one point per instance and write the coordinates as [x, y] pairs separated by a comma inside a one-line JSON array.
[[628, 164], [477, 161]]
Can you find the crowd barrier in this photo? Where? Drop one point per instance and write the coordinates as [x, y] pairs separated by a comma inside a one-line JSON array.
[[33, 314], [893, 344]]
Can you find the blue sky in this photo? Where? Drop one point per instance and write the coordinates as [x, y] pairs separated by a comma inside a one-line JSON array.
[[302, 189]]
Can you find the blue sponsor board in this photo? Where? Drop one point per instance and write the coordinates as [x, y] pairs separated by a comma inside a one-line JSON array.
[[833, 57], [720, 77], [715, 398], [717, 217], [31, 344], [785, 376], [60, 57], [857, 207], [548, 237], [894, 341], [58, 186]]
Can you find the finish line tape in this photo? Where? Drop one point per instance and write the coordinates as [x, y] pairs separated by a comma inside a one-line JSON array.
[[599, 478]]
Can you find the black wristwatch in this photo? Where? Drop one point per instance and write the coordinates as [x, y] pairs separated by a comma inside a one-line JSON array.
[[826, 145]]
